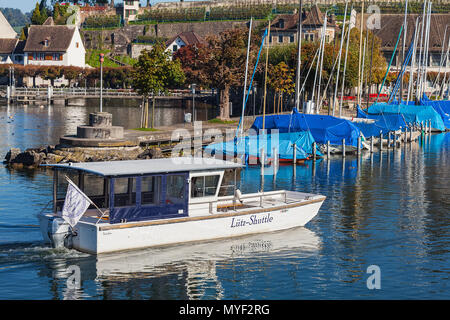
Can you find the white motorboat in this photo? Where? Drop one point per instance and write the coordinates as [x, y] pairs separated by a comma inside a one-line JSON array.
[[145, 203]]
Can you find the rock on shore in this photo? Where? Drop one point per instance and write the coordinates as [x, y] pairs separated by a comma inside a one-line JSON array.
[[33, 157]]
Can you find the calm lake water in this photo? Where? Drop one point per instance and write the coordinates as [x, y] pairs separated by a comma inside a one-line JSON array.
[[389, 209]]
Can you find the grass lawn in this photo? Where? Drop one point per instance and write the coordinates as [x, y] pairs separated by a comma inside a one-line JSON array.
[[216, 120], [92, 59], [145, 129]]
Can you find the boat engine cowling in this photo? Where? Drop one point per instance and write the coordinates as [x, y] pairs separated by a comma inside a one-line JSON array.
[[59, 232]]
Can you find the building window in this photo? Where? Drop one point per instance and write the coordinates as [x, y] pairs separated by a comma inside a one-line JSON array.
[[77, 45], [39, 56], [57, 56], [46, 42], [281, 23], [291, 38], [280, 39], [174, 48]]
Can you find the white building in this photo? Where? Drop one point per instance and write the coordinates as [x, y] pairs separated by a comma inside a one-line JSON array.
[[54, 45], [130, 9], [181, 40], [6, 31]]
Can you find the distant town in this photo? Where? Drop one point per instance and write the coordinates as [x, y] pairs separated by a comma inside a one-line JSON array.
[[61, 43]]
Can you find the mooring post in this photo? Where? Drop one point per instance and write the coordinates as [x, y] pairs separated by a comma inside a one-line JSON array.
[[328, 149], [343, 148], [314, 150], [371, 144], [381, 140], [359, 146], [388, 140], [430, 127], [294, 156], [410, 134]]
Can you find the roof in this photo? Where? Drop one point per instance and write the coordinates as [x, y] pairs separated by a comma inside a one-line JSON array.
[[59, 38], [49, 22], [391, 24], [6, 31], [7, 46], [152, 166], [312, 18], [19, 47], [188, 37]]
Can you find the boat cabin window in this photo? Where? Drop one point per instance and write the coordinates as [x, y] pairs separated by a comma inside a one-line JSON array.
[[204, 186], [150, 190], [92, 185], [124, 192], [175, 189]]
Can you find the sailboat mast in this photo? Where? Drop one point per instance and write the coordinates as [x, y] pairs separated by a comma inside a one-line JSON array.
[[299, 49], [345, 61], [340, 55], [413, 60], [246, 71], [360, 55], [321, 61], [265, 79], [405, 28], [419, 71]]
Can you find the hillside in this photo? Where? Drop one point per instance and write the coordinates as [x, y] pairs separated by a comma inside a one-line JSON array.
[[15, 17]]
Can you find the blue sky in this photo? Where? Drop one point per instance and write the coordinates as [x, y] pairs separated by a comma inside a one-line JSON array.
[[28, 5]]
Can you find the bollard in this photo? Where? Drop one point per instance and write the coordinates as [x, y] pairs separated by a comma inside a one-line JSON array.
[[294, 156], [371, 144], [314, 151], [328, 148], [359, 146], [381, 140], [430, 127], [343, 148], [389, 140]]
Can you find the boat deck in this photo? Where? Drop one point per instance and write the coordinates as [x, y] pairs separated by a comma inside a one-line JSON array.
[[226, 206]]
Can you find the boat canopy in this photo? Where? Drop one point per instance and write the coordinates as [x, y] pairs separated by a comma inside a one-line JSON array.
[[142, 190], [383, 123], [440, 106], [251, 145], [150, 166], [323, 128], [411, 113]]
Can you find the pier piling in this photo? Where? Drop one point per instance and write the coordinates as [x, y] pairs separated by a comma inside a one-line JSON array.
[[343, 148]]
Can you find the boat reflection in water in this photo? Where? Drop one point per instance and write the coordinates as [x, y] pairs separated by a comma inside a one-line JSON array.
[[191, 268]]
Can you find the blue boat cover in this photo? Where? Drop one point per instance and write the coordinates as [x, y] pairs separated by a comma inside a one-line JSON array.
[[441, 106], [323, 128], [251, 145], [411, 113], [383, 123]]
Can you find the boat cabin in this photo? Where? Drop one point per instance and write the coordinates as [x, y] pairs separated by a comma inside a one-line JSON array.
[[141, 190]]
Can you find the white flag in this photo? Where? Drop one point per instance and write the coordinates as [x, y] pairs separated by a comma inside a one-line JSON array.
[[75, 204]]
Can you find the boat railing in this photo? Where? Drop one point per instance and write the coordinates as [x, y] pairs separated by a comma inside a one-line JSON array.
[[234, 198]]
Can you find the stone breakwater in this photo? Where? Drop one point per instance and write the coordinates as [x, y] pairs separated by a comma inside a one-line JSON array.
[[34, 157]]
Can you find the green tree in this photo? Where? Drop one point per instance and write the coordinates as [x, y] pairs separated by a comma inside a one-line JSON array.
[[223, 64], [155, 72], [281, 80], [38, 17]]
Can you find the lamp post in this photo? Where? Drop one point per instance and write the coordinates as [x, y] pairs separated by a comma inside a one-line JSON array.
[[102, 58], [193, 102]]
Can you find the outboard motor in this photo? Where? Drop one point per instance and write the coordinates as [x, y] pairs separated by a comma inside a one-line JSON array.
[[59, 232]]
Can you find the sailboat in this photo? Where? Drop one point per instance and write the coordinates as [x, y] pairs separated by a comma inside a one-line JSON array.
[[421, 111]]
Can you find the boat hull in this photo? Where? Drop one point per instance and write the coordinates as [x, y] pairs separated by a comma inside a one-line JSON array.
[[104, 237]]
